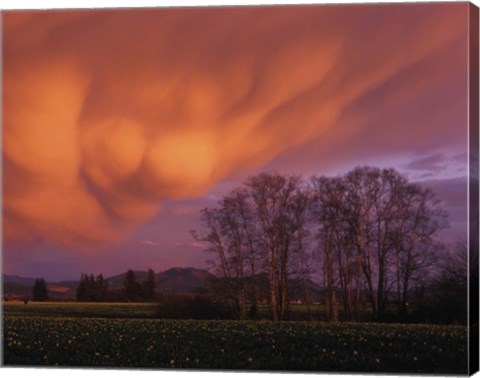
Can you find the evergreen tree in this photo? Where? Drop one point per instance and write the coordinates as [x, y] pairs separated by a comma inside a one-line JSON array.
[[101, 288], [131, 287], [149, 286], [39, 290], [82, 289], [91, 289]]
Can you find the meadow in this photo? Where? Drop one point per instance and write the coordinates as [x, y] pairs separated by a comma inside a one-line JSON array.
[[128, 335]]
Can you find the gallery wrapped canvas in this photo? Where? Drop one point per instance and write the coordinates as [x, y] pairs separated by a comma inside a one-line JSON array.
[[256, 188]]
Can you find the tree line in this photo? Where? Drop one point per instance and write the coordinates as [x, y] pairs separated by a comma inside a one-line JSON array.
[[96, 289], [368, 236]]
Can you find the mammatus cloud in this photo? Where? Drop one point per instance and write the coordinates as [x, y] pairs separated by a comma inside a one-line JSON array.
[[106, 113]]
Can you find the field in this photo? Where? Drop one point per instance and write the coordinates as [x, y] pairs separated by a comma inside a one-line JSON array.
[[82, 310], [126, 335]]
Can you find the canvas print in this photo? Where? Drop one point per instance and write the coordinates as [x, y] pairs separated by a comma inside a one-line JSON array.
[[266, 188]]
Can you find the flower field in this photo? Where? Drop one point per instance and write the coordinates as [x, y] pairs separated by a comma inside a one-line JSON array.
[[152, 343]]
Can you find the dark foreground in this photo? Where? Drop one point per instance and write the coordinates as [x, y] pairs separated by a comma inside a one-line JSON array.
[[35, 338]]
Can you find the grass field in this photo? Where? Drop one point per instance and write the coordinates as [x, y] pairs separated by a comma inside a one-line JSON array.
[[82, 310], [126, 335], [133, 310]]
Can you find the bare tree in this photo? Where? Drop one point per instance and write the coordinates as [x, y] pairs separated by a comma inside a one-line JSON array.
[[213, 238], [302, 259], [375, 234], [388, 221], [327, 212], [418, 217], [272, 196]]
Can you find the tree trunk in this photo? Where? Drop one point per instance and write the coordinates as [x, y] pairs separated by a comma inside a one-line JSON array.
[[273, 285]]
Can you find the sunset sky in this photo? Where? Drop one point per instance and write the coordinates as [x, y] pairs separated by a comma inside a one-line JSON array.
[[120, 126]]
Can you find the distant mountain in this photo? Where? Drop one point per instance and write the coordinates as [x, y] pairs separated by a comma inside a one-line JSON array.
[[171, 281], [15, 287], [14, 279], [182, 280], [116, 282], [174, 281]]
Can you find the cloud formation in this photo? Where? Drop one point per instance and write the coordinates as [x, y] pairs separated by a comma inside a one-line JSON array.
[[434, 163], [108, 112]]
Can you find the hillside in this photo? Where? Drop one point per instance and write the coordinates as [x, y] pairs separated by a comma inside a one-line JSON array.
[[14, 279], [174, 281]]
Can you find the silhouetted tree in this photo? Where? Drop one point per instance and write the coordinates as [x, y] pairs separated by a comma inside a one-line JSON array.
[[375, 223], [259, 227], [131, 287], [82, 289], [375, 234], [149, 286], [445, 298], [92, 289], [101, 288], [39, 290]]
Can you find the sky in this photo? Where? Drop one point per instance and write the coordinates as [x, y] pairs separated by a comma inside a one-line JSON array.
[[120, 126]]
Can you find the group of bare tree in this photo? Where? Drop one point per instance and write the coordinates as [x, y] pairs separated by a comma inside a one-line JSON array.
[[377, 236], [368, 235]]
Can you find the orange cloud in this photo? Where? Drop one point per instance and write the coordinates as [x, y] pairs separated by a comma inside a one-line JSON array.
[[106, 113]]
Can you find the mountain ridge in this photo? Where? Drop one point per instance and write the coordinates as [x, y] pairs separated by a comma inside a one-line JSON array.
[[178, 280], [175, 280]]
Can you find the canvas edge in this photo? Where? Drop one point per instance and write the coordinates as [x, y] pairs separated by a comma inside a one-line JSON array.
[[473, 187]]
